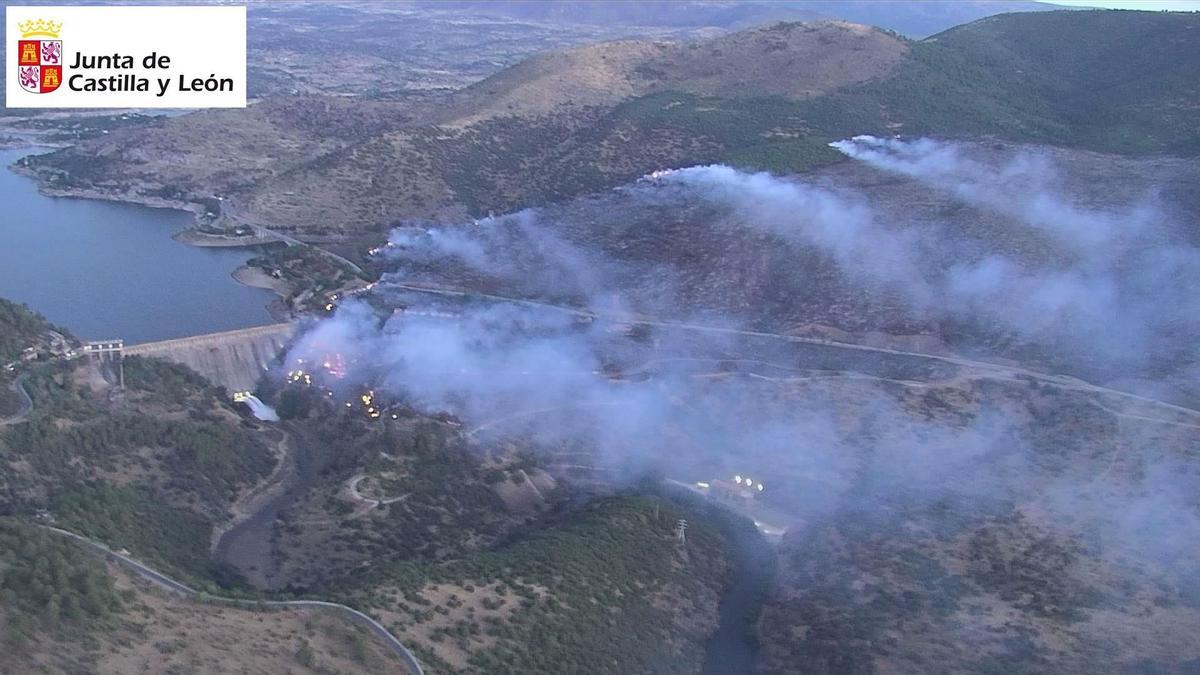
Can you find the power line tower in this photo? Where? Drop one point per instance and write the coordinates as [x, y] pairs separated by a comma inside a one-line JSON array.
[[681, 531]]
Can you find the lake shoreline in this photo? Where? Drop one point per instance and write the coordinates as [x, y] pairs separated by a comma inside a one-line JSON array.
[[102, 195], [190, 236], [118, 272], [253, 277]]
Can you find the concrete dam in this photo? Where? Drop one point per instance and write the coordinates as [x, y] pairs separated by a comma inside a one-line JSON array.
[[232, 359]]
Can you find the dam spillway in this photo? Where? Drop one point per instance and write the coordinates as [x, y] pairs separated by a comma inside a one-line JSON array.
[[232, 359]]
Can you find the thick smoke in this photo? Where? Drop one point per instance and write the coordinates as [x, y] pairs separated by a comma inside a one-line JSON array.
[[1026, 187], [503, 369], [1119, 290], [1119, 284], [848, 231], [705, 404], [515, 249]]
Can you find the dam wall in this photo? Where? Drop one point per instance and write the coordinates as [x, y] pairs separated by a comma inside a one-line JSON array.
[[233, 359]]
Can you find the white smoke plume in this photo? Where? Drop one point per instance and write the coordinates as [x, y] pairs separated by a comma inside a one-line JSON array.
[[515, 249], [849, 231], [1027, 187], [1120, 288]]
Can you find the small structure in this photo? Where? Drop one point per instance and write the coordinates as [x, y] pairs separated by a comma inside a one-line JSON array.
[[110, 352], [740, 489], [60, 346]]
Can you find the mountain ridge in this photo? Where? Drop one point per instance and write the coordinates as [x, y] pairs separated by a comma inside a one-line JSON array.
[[562, 125], [795, 60]]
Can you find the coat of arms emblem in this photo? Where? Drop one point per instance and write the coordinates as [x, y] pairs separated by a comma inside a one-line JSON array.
[[39, 61]]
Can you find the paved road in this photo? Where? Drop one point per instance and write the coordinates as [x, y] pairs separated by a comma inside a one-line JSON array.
[[229, 212], [26, 402], [995, 369], [410, 661]]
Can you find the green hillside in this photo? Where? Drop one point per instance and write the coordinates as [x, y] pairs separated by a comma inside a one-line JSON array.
[[150, 473], [1114, 81], [20, 327], [602, 588]]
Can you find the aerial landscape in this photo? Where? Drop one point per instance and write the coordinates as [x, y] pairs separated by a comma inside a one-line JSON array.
[[684, 336]]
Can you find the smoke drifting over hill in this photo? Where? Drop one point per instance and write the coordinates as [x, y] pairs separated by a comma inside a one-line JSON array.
[[1115, 288], [1107, 283], [1116, 285], [1120, 284], [518, 249], [587, 339]]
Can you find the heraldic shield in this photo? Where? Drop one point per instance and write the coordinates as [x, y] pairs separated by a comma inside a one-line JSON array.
[[39, 65]]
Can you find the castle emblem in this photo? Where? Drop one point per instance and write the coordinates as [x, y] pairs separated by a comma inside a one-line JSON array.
[[39, 61]]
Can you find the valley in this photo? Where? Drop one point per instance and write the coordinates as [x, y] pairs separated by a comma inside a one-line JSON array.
[[685, 347]]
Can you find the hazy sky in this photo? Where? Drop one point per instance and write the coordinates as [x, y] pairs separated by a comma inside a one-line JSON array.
[[1153, 5]]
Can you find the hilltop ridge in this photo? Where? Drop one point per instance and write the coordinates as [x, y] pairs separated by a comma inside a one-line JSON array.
[[568, 123], [794, 60]]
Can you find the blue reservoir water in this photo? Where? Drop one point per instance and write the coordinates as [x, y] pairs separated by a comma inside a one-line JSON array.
[[109, 270]]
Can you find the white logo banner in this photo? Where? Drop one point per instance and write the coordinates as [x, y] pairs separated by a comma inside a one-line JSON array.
[[125, 57]]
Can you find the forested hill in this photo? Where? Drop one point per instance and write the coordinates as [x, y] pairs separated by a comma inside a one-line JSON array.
[[20, 327], [1118, 81]]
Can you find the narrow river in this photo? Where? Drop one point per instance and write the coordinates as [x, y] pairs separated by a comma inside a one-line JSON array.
[[109, 270], [734, 647]]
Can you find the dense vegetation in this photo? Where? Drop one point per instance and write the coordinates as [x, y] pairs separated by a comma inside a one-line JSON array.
[[206, 460], [48, 584], [309, 272], [755, 133], [602, 587], [151, 473], [134, 519], [443, 505], [201, 455], [20, 327]]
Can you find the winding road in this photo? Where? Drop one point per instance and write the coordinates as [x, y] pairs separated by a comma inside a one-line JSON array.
[[352, 485], [230, 214], [18, 386], [164, 581]]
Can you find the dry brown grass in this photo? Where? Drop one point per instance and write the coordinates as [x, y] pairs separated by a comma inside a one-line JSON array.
[[796, 60]]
